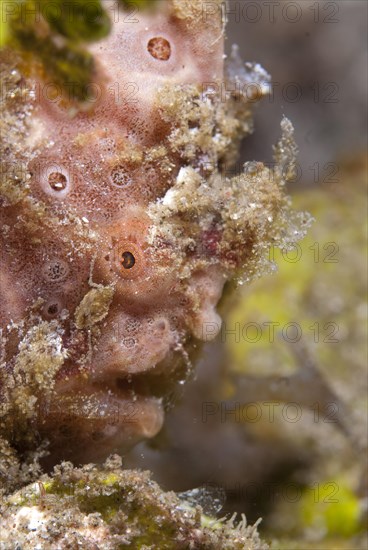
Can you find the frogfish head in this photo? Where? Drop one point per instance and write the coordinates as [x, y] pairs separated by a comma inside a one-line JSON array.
[[119, 231]]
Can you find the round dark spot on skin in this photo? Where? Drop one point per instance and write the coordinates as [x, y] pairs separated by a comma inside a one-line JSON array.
[[120, 176], [55, 271], [57, 181], [132, 325], [159, 48], [53, 309], [128, 260], [129, 342]]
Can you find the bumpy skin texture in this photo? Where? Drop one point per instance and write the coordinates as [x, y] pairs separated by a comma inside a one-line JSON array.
[[119, 229]]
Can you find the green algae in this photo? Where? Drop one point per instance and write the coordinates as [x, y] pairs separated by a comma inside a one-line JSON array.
[[56, 35]]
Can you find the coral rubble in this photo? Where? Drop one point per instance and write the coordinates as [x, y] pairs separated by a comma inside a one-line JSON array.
[[108, 507]]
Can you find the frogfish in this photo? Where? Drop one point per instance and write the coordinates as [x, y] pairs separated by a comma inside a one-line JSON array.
[[123, 220]]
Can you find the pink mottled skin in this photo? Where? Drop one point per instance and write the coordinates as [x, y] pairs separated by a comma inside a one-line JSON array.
[[90, 172]]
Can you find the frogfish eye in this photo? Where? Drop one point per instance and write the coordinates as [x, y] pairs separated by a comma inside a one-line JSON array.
[[127, 260]]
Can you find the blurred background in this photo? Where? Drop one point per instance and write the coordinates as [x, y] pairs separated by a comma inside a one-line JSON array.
[[316, 54], [275, 423]]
